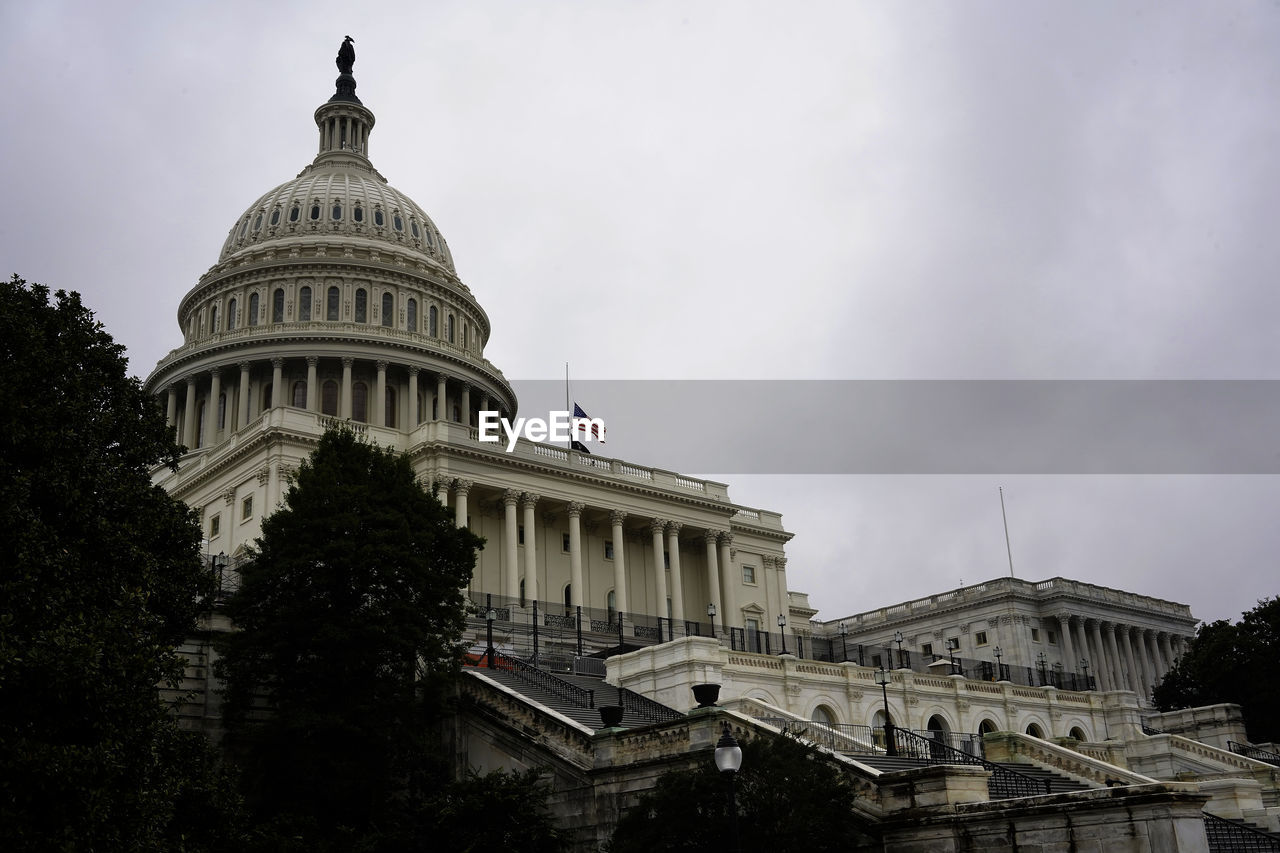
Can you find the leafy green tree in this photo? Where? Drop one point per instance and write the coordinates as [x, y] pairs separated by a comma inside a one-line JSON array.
[[789, 797], [1236, 663], [100, 581], [349, 616]]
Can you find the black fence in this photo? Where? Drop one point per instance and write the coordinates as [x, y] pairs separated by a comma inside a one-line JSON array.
[[1004, 782], [1250, 751], [1228, 835]]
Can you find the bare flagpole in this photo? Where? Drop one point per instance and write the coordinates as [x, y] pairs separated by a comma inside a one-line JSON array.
[[566, 400], [1004, 516]]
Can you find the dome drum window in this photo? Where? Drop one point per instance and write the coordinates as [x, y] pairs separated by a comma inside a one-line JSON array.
[[413, 226], [397, 222], [315, 212], [253, 309], [388, 309], [362, 305], [337, 212], [275, 216], [357, 213], [257, 223], [295, 213], [378, 218]]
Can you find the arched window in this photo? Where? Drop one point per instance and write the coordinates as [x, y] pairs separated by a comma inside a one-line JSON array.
[[213, 320], [389, 407], [315, 212], [360, 402], [295, 212], [257, 223], [300, 394], [222, 411], [611, 600], [329, 398], [200, 411], [1035, 731], [1077, 733], [378, 218], [277, 304], [357, 213], [987, 726], [823, 714], [397, 222], [337, 212], [253, 309], [457, 414], [275, 216], [362, 305], [304, 304], [422, 405], [231, 314], [413, 315], [413, 226], [388, 309], [433, 322], [522, 604], [466, 336], [331, 306], [449, 328]]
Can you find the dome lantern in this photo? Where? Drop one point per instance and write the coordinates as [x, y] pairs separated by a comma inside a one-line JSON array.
[[344, 122]]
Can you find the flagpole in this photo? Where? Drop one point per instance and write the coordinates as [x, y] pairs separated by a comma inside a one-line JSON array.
[[1004, 516], [566, 400]]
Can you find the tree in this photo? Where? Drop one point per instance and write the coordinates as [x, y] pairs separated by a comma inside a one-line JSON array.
[[349, 617], [1235, 663], [789, 797], [100, 581]]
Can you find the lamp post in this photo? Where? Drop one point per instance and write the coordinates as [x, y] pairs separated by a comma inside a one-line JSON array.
[[1040, 665], [1057, 674], [897, 638], [844, 644], [219, 564], [729, 762], [952, 645], [883, 678], [711, 613], [489, 615], [1084, 667], [999, 652], [782, 630]]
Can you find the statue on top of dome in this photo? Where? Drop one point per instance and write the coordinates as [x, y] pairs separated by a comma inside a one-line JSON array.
[[346, 55]]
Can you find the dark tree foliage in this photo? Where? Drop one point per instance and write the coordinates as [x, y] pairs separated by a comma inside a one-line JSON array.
[[350, 614], [789, 796], [100, 581], [1238, 663]]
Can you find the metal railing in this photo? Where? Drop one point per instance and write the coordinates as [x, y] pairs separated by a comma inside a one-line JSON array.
[[1003, 784], [1251, 751], [1229, 835], [646, 707], [530, 674]]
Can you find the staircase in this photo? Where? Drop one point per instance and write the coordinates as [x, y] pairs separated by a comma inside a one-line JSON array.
[[1047, 781], [577, 697], [1238, 836]]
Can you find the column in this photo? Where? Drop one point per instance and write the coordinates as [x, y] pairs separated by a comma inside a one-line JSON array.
[[344, 408], [677, 586], [1068, 647], [530, 547], [442, 492], [277, 379], [730, 615], [171, 407], [575, 545], [780, 577], [1165, 650], [484, 402], [713, 572], [1132, 677], [656, 527], [242, 407], [509, 500], [1082, 647], [411, 405], [1099, 655], [189, 415], [1115, 665], [461, 488], [617, 517], [380, 396], [466, 404], [1147, 664], [211, 411], [442, 407], [273, 488], [313, 389]]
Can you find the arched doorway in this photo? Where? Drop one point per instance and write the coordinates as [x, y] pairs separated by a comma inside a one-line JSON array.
[[1077, 733], [825, 715], [938, 731], [1034, 730], [987, 726]]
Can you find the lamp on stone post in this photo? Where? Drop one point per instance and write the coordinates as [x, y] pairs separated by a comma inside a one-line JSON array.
[[999, 652], [729, 762], [897, 638], [883, 677], [489, 615], [711, 614], [844, 641], [782, 631]]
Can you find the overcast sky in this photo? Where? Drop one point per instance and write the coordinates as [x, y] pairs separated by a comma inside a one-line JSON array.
[[700, 190]]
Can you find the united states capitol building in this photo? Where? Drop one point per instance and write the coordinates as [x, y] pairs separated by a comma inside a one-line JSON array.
[[335, 300]]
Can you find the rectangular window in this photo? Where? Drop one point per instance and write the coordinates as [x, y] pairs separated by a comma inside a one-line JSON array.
[[980, 638], [753, 625], [246, 508], [564, 542], [1053, 638], [876, 660], [749, 574], [927, 649], [215, 526], [608, 549], [1035, 635]]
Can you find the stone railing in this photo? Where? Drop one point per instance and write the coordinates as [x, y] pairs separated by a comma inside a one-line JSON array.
[[1011, 746]]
